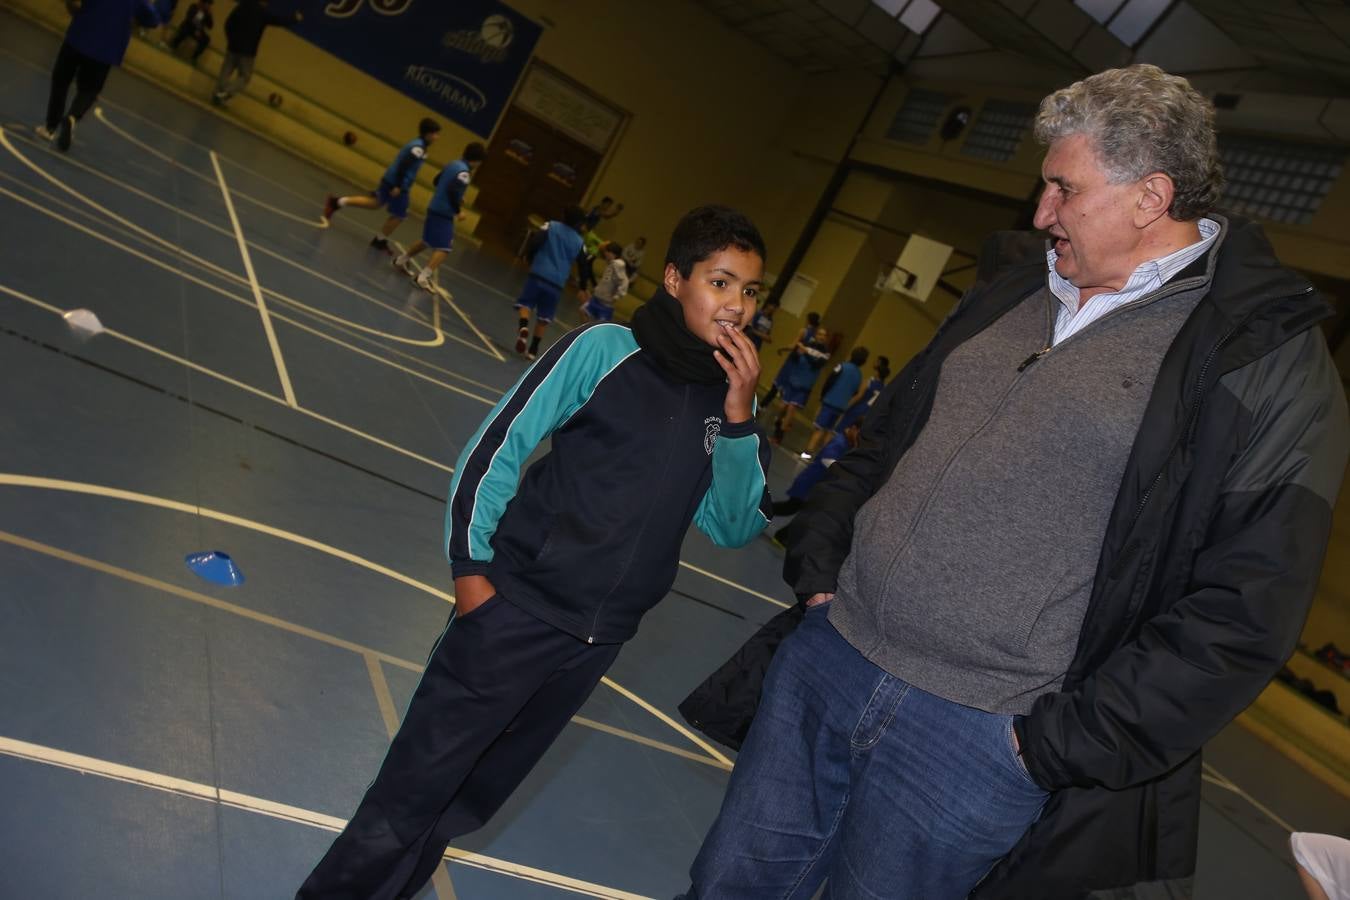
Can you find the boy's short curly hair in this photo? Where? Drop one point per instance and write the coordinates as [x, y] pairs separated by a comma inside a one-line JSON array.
[[705, 230]]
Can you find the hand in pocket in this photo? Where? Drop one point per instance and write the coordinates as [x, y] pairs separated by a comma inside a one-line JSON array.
[[471, 592]]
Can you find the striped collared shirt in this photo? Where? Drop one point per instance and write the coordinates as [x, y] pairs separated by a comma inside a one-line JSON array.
[[1146, 279]]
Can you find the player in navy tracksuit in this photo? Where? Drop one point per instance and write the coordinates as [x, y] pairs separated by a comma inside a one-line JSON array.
[[447, 201], [96, 40], [395, 187], [560, 245], [553, 574]]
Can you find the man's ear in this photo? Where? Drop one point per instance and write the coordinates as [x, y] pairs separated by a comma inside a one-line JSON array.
[[1155, 198]]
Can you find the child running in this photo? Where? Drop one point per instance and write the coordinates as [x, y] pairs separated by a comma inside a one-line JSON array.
[[613, 284], [559, 246], [96, 40], [554, 571], [438, 231], [394, 188], [836, 398], [798, 375]]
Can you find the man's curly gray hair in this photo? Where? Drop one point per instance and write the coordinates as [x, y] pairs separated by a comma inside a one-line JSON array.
[[1142, 120]]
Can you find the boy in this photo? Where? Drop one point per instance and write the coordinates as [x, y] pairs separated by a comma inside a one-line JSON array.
[[438, 231], [560, 245], [798, 376], [780, 380], [836, 398], [395, 186], [633, 255], [553, 575], [868, 394], [243, 33], [196, 24], [96, 40], [762, 324], [613, 284]]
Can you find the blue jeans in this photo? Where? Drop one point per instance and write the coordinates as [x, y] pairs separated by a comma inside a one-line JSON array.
[[850, 774]]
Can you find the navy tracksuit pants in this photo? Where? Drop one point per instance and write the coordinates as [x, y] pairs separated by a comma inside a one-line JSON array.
[[499, 687]]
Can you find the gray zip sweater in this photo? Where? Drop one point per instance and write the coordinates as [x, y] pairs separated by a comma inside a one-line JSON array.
[[971, 568]]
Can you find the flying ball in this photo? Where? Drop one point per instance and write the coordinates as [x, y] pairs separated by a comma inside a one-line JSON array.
[[274, 99]]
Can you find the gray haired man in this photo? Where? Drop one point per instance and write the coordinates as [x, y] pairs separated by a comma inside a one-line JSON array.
[[1081, 533]]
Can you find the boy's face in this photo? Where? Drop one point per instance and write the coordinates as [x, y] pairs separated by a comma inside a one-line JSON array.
[[719, 294], [430, 137]]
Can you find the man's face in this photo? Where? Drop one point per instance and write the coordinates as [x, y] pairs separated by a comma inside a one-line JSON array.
[[1091, 221], [719, 293]]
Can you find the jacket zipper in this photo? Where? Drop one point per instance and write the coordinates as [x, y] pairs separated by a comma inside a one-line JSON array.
[[595, 620]]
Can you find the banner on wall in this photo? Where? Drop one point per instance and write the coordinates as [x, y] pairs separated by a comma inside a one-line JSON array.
[[461, 59]]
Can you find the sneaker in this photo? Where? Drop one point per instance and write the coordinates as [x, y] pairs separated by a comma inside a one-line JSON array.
[[382, 244], [523, 340], [423, 281], [219, 98], [330, 206], [65, 134], [400, 262], [44, 132]]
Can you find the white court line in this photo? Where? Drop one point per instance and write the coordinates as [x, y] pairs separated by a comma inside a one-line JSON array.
[[98, 490], [436, 341], [729, 583], [257, 291], [317, 222], [246, 302], [144, 778]]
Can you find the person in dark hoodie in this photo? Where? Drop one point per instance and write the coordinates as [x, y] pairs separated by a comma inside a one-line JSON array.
[[552, 576], [243, 33], [96, 40]]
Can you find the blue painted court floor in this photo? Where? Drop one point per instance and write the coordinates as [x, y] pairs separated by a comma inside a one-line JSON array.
[[162, 736]]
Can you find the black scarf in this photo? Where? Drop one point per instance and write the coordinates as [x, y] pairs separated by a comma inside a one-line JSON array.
[[658, 326]]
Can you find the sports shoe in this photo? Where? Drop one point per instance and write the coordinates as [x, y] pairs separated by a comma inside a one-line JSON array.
[[401, 263], [380, 243], [65, 134], [423, 280], [522, 340], [44, 132], [330, 206], [219, 98], [531, 356]]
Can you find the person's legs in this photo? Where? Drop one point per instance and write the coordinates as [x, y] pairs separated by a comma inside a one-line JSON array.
[[774, 836], [514, 754], [180, 35], [481, 675], [546, 306], [532, 295], [942, 798], [63, 73], [203, 41], [245, 67], [89, 81]]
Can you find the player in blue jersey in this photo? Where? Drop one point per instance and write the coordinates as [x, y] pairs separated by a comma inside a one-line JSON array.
[[394, 187], [438, 232], [554, 249], [836, 398]]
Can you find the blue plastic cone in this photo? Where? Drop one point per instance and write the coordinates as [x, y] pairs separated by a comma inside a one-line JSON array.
[[216, 567]]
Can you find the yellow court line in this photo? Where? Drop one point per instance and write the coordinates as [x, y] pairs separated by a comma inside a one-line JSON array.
[[141, 345], [436, 341], [316, 222], [89, 765], [98, 490], [313, 634], [241, 300], [280, 361]]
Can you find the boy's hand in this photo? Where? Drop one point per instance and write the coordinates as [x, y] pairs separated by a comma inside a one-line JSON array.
[[471, 592], [738, 358]]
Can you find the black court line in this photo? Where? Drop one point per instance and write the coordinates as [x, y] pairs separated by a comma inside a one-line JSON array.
[[197, 404], [263, 429]]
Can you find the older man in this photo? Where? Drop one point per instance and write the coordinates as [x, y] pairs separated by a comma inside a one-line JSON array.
[[1080, 535]]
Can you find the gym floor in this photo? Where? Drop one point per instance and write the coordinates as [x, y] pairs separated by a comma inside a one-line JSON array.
[[272, 388]]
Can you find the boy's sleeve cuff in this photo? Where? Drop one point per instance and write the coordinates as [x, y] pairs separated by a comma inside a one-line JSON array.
[[741, 429], [463, 567]]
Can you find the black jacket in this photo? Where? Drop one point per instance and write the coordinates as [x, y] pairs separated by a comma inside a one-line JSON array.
[[1205, 576], [590, 539], [244, 26]]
